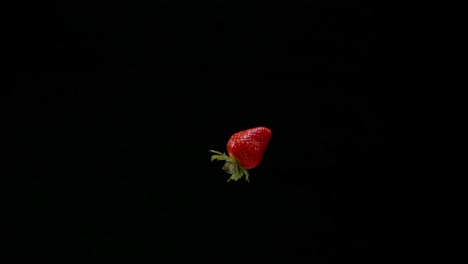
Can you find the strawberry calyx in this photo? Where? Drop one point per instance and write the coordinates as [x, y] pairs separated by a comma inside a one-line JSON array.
[[231, 166]]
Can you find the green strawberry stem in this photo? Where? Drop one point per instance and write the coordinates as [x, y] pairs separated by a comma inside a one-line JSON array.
[[231, 166]]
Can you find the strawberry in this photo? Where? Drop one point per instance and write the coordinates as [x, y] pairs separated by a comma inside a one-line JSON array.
[[246, 149]]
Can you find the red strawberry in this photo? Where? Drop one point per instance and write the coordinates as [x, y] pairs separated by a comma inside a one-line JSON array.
[[246, 149]]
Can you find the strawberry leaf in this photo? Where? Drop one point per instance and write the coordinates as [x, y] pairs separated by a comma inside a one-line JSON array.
[[231, 166]]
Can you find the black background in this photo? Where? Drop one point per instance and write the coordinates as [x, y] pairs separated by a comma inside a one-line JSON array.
[[117, 104]]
